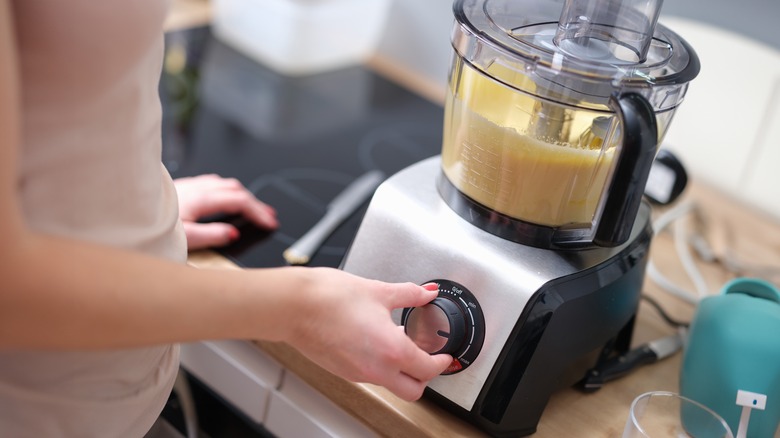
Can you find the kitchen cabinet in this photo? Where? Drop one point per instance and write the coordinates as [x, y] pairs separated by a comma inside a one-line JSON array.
[[238, 371], [257, 385], [299, 410]]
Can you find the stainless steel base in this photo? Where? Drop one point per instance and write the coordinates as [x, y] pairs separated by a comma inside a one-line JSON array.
[[410, 234]]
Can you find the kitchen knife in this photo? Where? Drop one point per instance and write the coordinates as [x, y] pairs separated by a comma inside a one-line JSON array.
[[617, 367], [339, 209]]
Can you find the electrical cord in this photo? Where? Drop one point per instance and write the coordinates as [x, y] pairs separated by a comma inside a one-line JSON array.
[[607, 370], [686, 258], [665, 316], [661, 224], [729, 260], [689, 242], [182, 389]]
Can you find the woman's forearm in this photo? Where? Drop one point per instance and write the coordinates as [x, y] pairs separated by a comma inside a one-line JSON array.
[[64, 294], [69, 295]]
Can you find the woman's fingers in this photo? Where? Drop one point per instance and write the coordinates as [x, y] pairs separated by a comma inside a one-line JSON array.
[[240, 202], [416, 372], [206, 195], [210, 235], [401, 295]]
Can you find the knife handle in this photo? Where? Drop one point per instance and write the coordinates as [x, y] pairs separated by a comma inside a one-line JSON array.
[[304, 248], [340, 208]]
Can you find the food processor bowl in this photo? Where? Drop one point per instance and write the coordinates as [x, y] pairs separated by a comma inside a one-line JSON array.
[[553, 115]]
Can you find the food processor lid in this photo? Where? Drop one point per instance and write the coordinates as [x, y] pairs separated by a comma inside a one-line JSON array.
[[602, 44]]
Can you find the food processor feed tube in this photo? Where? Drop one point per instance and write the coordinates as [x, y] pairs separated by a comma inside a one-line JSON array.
[[594, 25], [552, 126]]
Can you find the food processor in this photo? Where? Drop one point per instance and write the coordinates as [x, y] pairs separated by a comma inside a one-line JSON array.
[[532, 220]]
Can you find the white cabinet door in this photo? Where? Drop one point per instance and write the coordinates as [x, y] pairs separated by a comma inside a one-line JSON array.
[[297, 410], [236, 370]]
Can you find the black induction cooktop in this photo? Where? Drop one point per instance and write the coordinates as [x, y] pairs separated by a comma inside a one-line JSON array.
[[296, 142]]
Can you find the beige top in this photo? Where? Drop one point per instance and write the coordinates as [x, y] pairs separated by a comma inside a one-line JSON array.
[[90, 169]]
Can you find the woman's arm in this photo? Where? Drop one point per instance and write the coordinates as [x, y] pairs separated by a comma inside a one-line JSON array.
[[60, 293]]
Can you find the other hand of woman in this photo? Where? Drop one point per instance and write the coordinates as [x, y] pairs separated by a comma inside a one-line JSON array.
[[210, 194], [346, 328]]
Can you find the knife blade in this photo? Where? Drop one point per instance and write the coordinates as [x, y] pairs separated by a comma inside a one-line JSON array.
[[338, 210], [620, 366]]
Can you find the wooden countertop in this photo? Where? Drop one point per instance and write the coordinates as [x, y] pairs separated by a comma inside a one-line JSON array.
[[569, 412], [743, 232]]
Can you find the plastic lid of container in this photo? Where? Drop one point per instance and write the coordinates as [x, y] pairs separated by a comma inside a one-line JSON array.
[[754, 287], [520, 36]]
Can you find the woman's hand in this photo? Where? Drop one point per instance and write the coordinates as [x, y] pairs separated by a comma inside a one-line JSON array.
[[340, 321], [345, 326], [207, 195]]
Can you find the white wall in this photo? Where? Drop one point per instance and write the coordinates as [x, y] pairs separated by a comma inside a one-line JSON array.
[[727, 132], [417, 36]]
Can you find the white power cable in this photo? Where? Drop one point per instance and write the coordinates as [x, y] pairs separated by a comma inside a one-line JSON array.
[[684, 242], [681, 241], [659, 225], [182, 389], [669, 286]]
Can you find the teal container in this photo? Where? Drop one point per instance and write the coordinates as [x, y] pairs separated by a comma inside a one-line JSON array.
[[734, 344]]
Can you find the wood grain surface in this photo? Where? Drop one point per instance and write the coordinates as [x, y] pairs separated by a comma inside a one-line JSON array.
[[570, 413]]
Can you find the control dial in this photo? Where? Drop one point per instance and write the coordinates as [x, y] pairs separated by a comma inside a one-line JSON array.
[[452, 323], [437, 327]]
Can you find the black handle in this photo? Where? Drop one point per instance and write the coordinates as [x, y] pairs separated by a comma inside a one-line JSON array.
[[640, 139]]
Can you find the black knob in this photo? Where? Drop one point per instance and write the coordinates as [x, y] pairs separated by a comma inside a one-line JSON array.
[[437, 327]]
